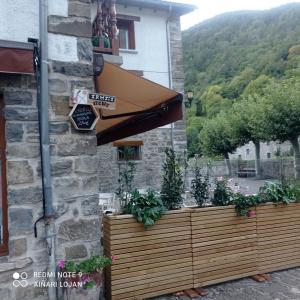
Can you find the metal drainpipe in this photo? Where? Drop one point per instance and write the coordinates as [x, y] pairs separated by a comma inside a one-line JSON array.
[[170, 67], [45, 147]]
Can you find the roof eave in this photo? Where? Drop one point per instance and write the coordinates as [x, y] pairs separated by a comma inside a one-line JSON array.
[[178, 8]]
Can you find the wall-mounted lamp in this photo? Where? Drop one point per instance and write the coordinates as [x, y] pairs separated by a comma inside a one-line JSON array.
[[190, 97]]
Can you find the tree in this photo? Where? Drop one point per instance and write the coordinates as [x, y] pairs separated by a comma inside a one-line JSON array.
[[172, 185], [244, 119], [215, 138], [234, 89], [193, 143], [213, 102], [281, 115]]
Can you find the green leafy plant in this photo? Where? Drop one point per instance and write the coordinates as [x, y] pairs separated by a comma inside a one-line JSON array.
[[295, 190], [88, 271], [278, 193], [222, 193], [244, 203], [200, 187], [172, 185], [146, 208], [126, 176]]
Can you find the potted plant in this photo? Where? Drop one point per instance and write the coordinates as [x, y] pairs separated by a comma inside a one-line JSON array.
[[244, 203], [172, 186], [146, 208], [85, 274], [200, 187], [222, 193]]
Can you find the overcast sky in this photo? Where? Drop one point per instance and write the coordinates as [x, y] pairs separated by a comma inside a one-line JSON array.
[[210, 8]]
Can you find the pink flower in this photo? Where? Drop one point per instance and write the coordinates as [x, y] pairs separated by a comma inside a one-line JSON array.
[[85, 278], [113, 258], [61, 264]]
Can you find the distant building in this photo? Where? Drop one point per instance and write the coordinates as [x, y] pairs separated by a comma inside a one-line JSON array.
[[267, 151]]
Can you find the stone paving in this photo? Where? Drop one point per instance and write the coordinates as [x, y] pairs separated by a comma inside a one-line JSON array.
[[284, 285]]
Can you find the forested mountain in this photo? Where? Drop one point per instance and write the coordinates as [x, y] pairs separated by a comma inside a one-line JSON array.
[[236, 53]]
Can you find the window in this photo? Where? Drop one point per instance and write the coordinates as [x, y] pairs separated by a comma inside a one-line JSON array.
[[129, 150], [126, 34], [129, 153], [247, 152], [3, 184], [268, 155]]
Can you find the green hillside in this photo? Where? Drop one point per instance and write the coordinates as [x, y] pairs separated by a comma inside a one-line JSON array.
[[235, 53]]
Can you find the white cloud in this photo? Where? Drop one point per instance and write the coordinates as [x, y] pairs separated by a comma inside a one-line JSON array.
[[210, 8]]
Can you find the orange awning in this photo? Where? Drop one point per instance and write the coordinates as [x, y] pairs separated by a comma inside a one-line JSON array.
[[141, 105]]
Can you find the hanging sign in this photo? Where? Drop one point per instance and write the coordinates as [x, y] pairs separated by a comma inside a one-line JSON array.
[[84, 116], [102, 101]]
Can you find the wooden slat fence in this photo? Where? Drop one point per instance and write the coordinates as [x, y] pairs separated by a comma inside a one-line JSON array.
[[278, 231], [224, 246], [198, 247], [149, 262]]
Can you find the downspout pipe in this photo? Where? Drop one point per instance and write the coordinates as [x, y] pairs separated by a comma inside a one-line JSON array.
[[44, 111], [45, 147], [170, 65]]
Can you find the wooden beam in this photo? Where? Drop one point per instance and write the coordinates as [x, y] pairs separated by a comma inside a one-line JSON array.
[[129, 18]]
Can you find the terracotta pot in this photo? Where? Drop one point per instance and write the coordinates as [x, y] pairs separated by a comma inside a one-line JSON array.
[[251, 213]]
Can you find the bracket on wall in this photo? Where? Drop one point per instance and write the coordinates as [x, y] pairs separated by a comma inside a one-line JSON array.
[[98, 64]]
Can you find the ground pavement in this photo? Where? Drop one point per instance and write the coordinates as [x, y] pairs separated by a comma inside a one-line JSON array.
[[284, 285]]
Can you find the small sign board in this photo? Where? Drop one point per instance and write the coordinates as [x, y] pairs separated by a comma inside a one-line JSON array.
[[84, 116], [79, 96], [102, 101]]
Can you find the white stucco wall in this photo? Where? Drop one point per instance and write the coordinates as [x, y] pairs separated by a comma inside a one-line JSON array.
[[62, 47], [151, 53], [19, 20]]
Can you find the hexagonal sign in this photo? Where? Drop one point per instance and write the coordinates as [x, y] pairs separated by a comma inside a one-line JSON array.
[[84, 116]]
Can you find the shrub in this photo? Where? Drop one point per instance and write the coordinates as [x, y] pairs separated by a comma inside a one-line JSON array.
[[126, 177], [200, 187], [277, 193], [87, 271], [243, 203], [172, 185], [222, 193], [146, 208]]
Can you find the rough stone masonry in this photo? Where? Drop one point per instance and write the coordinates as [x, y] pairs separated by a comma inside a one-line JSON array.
[[73, 162]]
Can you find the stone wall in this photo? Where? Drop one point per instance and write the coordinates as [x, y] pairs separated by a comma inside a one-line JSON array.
[[180, 142], [74, 163], [73, 154], [148, 170], [26, 253]]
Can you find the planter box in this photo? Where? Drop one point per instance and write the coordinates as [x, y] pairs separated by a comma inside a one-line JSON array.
[[224, 245], [198, 247], [149, 262], [278, 230]]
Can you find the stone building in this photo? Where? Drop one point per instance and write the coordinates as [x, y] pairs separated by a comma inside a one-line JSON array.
[[49, 171], [155, 55]]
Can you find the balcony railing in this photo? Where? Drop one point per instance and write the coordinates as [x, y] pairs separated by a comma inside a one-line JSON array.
[[105, 31]]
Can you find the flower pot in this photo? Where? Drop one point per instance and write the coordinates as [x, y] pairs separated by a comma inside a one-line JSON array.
[[251, 213]]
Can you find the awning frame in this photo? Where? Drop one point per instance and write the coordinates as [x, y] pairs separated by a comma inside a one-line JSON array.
[[169, 111]]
